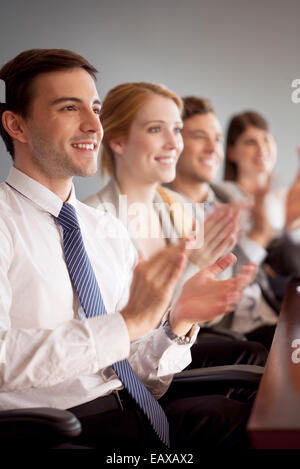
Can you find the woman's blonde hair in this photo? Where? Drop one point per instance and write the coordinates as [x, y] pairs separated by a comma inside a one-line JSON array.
[[118, 111]]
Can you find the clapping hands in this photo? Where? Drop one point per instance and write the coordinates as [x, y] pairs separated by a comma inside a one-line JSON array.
[[220, 233]]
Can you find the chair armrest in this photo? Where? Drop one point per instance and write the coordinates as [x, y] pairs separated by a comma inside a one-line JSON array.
[[38, 422], [232, 375], [215, 380]]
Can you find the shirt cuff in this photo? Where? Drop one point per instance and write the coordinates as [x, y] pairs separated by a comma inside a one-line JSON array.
[[294, 236], [252, 250], [111, 338], [174, 357]]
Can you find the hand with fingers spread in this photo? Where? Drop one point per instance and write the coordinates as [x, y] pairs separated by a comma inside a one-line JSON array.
[[293, 202], [204, 297], [152, 288], [220, 233]]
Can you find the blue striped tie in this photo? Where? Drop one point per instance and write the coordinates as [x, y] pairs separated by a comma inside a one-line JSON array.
[[87, 288]]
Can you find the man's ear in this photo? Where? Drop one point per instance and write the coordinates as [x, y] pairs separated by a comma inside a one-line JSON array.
[[117, 145], [14, 126]]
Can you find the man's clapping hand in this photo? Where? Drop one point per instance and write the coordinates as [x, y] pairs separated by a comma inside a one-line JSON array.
[[203, 297]]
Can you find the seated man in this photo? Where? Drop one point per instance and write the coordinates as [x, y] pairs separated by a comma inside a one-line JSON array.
[[256, 313], [109, 355]]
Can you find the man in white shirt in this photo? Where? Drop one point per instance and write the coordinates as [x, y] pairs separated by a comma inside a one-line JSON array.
[[52, 355]]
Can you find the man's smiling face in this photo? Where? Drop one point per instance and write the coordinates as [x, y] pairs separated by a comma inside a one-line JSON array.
[[63, 127], [203, 148]]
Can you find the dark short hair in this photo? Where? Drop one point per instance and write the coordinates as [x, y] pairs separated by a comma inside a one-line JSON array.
[[237, 126], [18, 75], [193, 105]]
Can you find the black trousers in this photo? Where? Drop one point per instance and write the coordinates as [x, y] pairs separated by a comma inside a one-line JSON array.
[[263, 334], [196, 423], [212, 350], [206, 421]]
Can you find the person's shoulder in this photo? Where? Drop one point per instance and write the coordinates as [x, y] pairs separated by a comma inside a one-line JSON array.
[[95, 213], [227, 190], [3, 190], [5, 199], [226, 185], [168, 194], [9, 210], [107, 198], [92, 210]]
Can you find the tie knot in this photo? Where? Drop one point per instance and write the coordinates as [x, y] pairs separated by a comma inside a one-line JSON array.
[[67, 217]]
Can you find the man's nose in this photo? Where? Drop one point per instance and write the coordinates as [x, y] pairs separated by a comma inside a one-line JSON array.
[[90, 123], [211, 145], [262, 149]]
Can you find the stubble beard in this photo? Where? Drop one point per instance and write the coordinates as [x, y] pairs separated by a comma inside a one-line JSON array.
[[196, 178], [56, 162]]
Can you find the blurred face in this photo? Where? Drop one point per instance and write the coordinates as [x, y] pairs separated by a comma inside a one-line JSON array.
[[154, 143], [63, 129], [203, 148], [254, 152]]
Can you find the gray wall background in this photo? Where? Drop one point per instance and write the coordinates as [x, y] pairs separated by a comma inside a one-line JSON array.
[[241, 54]]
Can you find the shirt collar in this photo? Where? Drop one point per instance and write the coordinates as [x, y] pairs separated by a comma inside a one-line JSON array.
[[37, 193]]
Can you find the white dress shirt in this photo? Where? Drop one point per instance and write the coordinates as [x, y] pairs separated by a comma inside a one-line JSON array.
[[49, 354]]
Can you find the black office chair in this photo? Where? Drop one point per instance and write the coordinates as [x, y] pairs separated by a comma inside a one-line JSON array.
[[47, 427], [217, 379], [37, 427]]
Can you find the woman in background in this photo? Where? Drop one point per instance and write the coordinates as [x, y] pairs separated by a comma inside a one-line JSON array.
[[273, 223], [250, 158]]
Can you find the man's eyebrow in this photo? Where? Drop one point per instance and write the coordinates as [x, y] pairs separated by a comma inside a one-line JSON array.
[[198, 131], [202, 131], [73, 99]]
